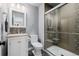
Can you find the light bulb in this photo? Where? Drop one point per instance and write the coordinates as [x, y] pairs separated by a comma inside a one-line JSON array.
[[12, 4], [0, 4], [23, 7], [18, 5]]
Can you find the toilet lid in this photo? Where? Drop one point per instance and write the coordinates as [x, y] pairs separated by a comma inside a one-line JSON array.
[[37, 44]]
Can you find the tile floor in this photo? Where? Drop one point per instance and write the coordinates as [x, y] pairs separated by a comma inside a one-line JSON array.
[[43, 53]]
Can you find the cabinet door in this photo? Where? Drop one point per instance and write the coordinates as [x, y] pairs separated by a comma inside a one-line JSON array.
[[14, 47], [18, 46], [24, 46]]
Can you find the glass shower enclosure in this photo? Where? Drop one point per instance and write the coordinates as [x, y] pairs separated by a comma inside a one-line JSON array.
[[62, 28], [51, 22]]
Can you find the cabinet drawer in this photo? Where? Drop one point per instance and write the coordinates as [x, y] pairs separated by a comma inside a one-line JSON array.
[[18, 46]]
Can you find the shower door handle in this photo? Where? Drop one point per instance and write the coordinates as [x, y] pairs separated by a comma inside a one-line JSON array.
[[0, 42]]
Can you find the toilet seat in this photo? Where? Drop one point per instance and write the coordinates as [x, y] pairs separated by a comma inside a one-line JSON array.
[[37, 44]]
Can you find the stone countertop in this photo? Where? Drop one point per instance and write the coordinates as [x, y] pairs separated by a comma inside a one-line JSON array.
[[17, 35]]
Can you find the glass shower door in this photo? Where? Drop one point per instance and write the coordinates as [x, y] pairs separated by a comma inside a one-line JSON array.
[[51, 28]]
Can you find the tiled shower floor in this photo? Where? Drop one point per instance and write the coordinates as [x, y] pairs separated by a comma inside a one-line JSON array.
[[60, 51]]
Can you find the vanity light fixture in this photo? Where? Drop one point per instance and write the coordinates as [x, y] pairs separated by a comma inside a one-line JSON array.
[[0, 5], [23, 8], [13, 5], [18, 6]]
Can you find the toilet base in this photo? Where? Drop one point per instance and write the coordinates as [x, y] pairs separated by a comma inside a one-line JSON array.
[[38, 53]]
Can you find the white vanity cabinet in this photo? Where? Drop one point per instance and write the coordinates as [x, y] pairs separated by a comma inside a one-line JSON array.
[[17, 45]]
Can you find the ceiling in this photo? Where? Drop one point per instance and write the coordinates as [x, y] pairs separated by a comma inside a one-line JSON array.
[[35, 4], [38, 4]]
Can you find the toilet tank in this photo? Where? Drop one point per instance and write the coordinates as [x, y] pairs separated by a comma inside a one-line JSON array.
[[34, 38]]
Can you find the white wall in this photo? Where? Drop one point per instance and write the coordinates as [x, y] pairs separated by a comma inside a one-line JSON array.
[[32, 19], [41, 23]]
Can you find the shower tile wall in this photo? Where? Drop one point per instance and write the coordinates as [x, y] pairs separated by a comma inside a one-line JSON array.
[[51, 27], [69, 27], [66, 27], [47, 7]]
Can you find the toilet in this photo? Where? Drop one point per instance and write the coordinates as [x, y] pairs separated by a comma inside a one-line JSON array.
[[36, 45]]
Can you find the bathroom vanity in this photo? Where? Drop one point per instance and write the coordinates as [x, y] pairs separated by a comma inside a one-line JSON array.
[[17, 44], [17, 36]]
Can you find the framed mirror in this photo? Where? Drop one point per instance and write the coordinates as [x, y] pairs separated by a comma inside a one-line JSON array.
[[17, 18]]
